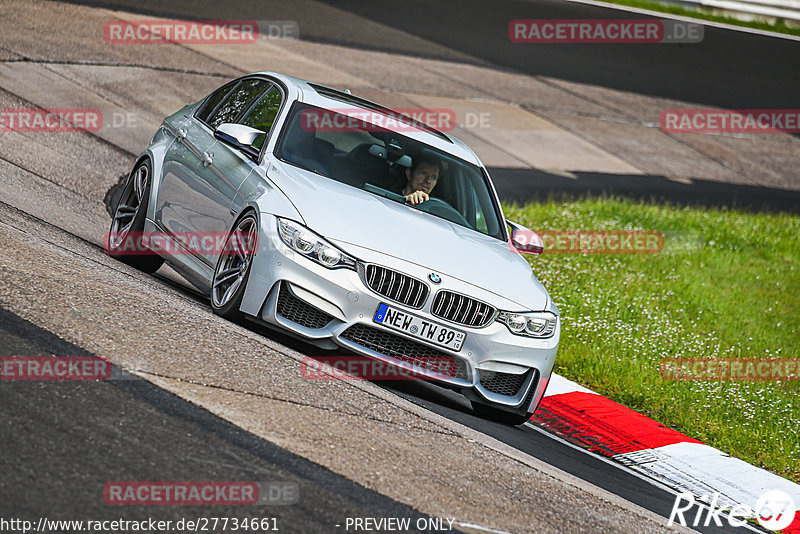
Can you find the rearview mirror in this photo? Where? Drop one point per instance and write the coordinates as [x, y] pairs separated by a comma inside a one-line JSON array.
[[241, 137], [524, 240]]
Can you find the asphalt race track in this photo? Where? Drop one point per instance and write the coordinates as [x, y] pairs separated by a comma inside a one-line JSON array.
[[728, 69], [71, 439], [194, 397]]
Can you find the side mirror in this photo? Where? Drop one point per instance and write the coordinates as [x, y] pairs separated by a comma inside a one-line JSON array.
[[524, 240], [240, 136]]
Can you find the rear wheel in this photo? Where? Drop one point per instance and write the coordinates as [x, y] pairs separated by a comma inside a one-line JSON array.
[[124, 239], [498, 415], [233, 268]]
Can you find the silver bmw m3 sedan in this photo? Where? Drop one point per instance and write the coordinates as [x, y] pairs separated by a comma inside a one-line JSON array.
[[350, 226]]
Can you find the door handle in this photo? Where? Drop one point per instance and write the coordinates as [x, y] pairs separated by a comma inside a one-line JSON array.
[[182, 134], [208, 159]]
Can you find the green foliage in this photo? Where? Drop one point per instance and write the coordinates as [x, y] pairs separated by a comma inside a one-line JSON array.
[[725, 285]]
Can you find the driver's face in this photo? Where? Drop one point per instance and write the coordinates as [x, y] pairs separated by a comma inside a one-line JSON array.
[[423, 178]]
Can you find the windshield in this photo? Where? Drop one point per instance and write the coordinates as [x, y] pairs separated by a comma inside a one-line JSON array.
[[342, 145]]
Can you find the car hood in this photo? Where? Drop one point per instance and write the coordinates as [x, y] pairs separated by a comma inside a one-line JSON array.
[[347, 214]]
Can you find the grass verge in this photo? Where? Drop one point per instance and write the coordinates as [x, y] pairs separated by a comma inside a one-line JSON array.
[[778, 27], [725, 285]]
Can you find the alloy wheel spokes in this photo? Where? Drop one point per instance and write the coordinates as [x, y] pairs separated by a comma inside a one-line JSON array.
[[227, 275], [236, 243], [233, 264], [140, 183], [124, 211], [128, 207], [231, 290]]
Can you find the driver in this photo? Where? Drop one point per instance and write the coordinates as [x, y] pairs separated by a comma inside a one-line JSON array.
[[421, 179]]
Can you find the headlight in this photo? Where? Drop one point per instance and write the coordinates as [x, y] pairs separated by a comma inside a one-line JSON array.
[[312, 246], [532, 324]]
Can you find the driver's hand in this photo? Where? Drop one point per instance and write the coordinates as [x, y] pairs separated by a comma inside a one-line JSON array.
[[417, 197]]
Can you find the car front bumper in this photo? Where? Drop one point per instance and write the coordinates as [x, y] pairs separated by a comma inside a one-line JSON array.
[[335, 308]]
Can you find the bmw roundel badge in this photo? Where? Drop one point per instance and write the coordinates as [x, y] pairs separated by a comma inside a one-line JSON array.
[[435, 278]]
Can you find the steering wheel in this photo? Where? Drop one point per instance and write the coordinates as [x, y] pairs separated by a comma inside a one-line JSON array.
[[440, 208]]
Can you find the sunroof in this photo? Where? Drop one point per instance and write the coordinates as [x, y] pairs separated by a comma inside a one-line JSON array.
[[351, 99]]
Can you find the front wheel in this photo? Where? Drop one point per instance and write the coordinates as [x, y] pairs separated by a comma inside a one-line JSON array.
[[125, 240], [233, 268], [500, 416]]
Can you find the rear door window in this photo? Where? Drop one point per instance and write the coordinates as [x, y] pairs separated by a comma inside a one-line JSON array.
[[214, 100], [237, 102]]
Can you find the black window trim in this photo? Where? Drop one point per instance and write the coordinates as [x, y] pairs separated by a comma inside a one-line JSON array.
[[498, 209], [492, 193], [234, 84], [235, 87], [348, 98]]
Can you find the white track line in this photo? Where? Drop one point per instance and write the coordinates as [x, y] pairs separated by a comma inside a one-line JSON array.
[[659, 14], [618, 465]]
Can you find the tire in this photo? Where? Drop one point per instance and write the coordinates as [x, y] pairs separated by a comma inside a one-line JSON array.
[[233, 268], [127, 223], [500, 416]]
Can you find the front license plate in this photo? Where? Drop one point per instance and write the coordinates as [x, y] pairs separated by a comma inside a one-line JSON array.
[[419, 328]]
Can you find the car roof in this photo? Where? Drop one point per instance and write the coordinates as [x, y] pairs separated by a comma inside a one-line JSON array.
[[330, 98]]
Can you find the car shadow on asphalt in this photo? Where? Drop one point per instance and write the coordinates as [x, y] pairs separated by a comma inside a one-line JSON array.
[[127, 428]]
